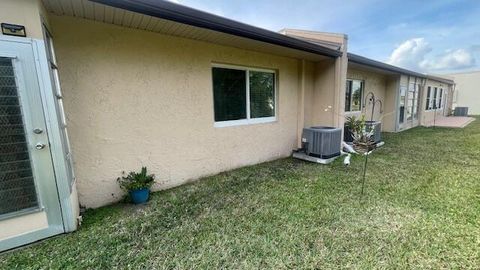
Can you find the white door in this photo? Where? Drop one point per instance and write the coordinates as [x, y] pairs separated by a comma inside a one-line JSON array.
[[29, 202], [409, 105]]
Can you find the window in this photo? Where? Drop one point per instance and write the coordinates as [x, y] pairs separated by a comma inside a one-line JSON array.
[[403, 92], [353, 95], [243, 96], [428, 104], [434, 100], [440, 105]]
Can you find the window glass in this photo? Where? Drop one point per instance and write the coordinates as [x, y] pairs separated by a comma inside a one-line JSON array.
[[348, 94], [353, 95], [440, 98], [229, 93], [434, 99], [411, 100], [403, 92], [357, 89], [429, 92], [262, 94], [417, 101]]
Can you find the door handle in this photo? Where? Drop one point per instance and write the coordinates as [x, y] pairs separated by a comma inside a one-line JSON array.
[[40, 146]]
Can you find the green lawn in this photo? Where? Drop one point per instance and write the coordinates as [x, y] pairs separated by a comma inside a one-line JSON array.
[[421, 209]]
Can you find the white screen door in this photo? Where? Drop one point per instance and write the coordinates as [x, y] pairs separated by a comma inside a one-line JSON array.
[[29, 204]]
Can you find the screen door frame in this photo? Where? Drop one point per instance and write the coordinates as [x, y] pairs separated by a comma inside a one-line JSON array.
[[26, 55]]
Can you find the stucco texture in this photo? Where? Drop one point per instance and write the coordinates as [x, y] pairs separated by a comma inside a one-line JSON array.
[[377, 84], [23, 12], [135, 98]]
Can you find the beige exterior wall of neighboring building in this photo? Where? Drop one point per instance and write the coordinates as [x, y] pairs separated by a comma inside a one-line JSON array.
[[467, 91], [137, 98]]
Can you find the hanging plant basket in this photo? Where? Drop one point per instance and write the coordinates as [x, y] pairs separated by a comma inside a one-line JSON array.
[[364, 147]]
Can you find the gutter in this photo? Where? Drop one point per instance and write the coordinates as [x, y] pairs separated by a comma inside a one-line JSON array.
[[186, 15]]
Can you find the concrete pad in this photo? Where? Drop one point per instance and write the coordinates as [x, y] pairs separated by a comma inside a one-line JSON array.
[[451, 121]]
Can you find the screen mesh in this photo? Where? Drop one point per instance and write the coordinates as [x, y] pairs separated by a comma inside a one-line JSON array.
[[17, 187]]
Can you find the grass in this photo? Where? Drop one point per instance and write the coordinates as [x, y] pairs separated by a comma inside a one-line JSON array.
[[421, 209]]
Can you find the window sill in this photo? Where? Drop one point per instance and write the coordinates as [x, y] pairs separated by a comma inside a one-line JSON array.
[[244, 122], [353, 112]]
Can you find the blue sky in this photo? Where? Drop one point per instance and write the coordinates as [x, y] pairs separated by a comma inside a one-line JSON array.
[[429, 36]]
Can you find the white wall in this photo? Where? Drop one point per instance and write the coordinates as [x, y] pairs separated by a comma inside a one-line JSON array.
[[468, 91]]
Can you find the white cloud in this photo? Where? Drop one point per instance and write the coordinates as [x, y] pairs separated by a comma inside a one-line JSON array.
[[414, 54], [451, 59], [174, 1], [410, 53]]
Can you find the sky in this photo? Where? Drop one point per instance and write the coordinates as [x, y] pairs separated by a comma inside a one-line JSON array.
[[434, 36]]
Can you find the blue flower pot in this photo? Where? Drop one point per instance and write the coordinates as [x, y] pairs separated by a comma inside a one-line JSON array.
[[140, 196]]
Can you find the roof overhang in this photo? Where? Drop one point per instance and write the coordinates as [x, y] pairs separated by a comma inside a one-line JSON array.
[[384, 68], [440, 79], [354, 58], [189, 16]]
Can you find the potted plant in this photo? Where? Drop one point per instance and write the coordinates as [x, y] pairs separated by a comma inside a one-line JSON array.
[[351, 124], [137, 185], [362, 138]]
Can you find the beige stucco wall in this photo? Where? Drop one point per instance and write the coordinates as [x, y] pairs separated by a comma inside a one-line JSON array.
[[375, 83], [468, 91], [325, 103], [306, 86], [315, 35], [385, 88], [390, 107], [309, 105], [137, 98], [323, 96], [23, 12]]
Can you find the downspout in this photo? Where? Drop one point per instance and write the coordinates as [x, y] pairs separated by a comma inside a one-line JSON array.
[[301, 102]]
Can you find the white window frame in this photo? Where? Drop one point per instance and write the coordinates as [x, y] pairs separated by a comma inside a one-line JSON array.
[[440, 98], [361, 98], [249, 120], [433, 102], [429, 99]]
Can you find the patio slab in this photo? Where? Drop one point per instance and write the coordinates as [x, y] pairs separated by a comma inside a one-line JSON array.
[[451, 121]]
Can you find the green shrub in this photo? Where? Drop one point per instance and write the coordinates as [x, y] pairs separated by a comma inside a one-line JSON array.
[[135, 181]]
